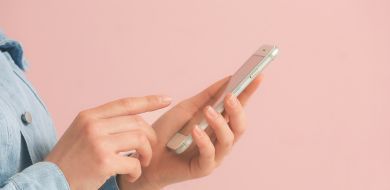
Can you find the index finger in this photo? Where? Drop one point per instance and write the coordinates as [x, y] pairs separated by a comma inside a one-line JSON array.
[[131, 106], [185, 110]]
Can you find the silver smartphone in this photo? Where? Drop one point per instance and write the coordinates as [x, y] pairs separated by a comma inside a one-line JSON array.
[[237, 83]]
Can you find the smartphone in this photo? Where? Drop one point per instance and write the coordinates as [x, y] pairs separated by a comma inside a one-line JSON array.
[[237, 83]]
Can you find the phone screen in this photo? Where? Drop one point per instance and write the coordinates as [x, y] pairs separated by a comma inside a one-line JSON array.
[[239, 80]]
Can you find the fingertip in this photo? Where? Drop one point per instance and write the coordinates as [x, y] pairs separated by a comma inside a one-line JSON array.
[[213, 118], [202, 140], [197, 132], [200, 137], [211, 113], [206, 157]]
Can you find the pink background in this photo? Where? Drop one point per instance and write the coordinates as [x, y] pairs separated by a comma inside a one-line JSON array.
[[320, 120]]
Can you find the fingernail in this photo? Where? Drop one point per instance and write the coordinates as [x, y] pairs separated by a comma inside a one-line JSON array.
[[233, 100], [198, 131], [211, 112], [166, 99]]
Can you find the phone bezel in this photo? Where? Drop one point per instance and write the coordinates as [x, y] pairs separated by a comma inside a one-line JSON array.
[[180, 142]]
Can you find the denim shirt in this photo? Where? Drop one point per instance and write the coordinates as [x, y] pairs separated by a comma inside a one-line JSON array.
[[25, 143]]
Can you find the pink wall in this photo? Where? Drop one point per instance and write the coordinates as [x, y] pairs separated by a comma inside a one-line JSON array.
[[320, 121]]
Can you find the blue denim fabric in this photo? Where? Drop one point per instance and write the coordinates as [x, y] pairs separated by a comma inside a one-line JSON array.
[[24, 147]]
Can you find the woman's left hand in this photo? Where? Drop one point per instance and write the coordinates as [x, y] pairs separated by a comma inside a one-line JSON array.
[[167, 167]]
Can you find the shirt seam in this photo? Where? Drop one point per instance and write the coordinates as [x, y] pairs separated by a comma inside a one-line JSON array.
[[15, 184], [5, 121]]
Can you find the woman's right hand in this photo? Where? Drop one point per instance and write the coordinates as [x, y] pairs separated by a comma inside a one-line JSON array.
[[88, 152]]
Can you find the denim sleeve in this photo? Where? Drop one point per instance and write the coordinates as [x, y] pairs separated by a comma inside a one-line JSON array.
[[42, 175], [110, 184]]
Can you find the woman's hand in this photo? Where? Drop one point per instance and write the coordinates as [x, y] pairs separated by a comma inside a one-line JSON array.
[[166, 167], [89, 151]]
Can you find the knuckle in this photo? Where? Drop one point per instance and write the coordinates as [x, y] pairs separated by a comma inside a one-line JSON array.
[[237, 108], [142, 138], [84, 116], [227, 142], [220, 120], [139, 138], [231, 140], [233, 112], [98, 148], [153, 99], [126, 102], [212, 151], [91, 128], [149, 134]]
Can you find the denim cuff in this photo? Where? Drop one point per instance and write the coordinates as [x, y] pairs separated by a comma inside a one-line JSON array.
[[42, 175]]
